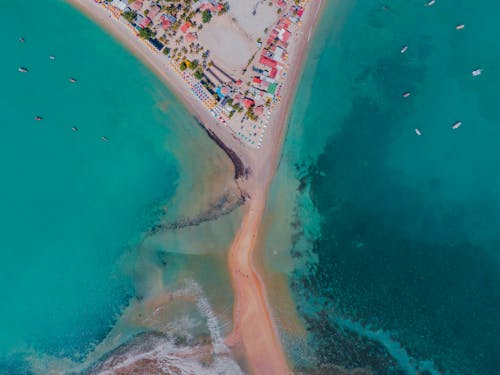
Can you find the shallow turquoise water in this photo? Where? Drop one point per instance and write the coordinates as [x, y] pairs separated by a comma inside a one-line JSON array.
[[395, 237], [82, 271], [72, 204]]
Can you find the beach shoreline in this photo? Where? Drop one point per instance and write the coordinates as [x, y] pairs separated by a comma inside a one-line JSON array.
[[254, 329], [158, 64]]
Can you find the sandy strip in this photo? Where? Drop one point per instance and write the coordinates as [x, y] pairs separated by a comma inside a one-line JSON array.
[[254, 327]]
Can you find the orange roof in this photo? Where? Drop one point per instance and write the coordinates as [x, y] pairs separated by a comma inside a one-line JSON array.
[[186, 26], [247, 102]]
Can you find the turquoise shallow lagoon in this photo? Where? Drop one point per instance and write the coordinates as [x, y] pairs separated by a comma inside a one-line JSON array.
[[75, 210], [72, 203], [393, 252]]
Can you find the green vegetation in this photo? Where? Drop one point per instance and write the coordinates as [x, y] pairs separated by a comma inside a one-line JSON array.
[[183, 66], [166, 51], [206, 16], [146, 33], [129, 16], [194, 64], [251, 115], [198, 74], [225, 8]]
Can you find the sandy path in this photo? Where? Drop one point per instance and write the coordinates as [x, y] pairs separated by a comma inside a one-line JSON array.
[[254, 327]]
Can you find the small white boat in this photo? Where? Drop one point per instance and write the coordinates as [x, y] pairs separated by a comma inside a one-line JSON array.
[[52, 57], [74, 128], [417, 131], [22, 70], [21, 39], [104, 138], [72, 80], [406, 94], [477, 72], [38, 118], [404, 49], [430, 3], [456, 125], [460, 27]]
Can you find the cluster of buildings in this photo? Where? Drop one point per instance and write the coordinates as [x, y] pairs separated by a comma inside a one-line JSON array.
[[164, 18], [243, 103]]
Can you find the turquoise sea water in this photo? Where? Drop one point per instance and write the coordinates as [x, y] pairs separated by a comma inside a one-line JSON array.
[[75, 209], [394, 251]]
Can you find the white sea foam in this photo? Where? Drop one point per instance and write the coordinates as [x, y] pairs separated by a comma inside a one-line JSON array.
[[212, 322], [167, 356], [160, 350]]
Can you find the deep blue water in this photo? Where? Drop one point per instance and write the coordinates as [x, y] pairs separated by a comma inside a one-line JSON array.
[[396, 242]]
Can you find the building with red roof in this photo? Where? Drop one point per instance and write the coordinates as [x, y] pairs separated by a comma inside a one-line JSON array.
[[259, 110], [167, 20], [208, 6], [280, 3], [166, 24], [257, 80], [191, 37], [267, 61], [273, 73], [185, 27], [283, 23], [248, 103], [284, 35], [154, 11], [145, 22], [136, 5]]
